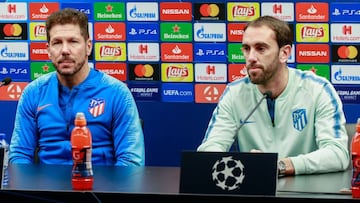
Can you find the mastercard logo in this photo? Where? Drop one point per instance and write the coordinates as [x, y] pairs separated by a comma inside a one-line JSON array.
[[12, 30], [349, 52], [143, 70], [211, 10]]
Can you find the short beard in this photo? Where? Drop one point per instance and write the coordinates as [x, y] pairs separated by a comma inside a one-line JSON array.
[[78, 67]]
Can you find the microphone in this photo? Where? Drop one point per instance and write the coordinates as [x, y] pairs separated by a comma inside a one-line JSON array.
[[267, 94], [5, 81]]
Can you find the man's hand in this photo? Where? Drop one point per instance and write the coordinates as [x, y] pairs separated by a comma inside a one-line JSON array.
[[289, 167]]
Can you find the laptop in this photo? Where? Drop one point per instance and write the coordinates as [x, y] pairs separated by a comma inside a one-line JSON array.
[[239, 173]]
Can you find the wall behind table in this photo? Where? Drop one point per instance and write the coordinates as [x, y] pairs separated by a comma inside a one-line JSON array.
[[169, 128]]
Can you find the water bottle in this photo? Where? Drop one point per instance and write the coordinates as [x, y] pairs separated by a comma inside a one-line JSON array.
[[4, 145], [355, 155], [81, 145]]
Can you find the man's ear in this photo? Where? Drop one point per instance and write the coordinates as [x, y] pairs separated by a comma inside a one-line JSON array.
[[89, 47], [285, 52], [47, 48]]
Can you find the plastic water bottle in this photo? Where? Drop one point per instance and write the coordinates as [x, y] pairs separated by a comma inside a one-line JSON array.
[[5, 172], [81, 143], [355, 154]]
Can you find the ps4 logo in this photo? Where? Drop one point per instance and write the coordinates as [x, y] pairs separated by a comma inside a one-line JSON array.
[[85, 10], [210, 52], [141, 31], [4, 70], [349, 12]]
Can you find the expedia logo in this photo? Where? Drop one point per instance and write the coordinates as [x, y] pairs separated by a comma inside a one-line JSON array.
[[345, 53], [13, 31]]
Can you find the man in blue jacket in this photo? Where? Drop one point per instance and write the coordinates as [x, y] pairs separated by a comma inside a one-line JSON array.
[[48, 105]]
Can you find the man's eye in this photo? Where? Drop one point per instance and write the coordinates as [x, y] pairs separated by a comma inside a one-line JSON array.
[[260, 48]]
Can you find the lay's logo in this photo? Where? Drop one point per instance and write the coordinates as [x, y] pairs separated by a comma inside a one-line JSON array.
[[312, 32]]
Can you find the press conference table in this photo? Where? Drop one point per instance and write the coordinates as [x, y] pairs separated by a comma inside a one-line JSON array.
[[51, 183]]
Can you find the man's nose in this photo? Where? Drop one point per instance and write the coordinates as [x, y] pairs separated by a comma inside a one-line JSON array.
[[65, 49], [252, 56]]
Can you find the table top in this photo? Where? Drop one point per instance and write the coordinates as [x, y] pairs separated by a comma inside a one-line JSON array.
[[161, 181]]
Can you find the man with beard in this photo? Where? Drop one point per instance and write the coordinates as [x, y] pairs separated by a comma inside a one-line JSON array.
[[303, 119], [48, 105]]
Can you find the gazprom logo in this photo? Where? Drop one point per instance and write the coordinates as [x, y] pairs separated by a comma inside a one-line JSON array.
[[299, 119]]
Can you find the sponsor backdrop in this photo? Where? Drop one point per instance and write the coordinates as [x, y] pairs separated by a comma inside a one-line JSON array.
[[177, 56]]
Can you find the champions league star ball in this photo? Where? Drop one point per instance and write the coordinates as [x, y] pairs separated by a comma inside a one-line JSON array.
[[228, 173]]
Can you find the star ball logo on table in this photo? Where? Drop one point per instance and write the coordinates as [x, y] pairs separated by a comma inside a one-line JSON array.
[[228, 173]]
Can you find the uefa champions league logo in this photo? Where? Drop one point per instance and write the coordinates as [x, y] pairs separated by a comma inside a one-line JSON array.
[[228, 173]]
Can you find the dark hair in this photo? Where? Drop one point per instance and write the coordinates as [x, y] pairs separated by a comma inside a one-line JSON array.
[[68, 16], [283, 33]]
